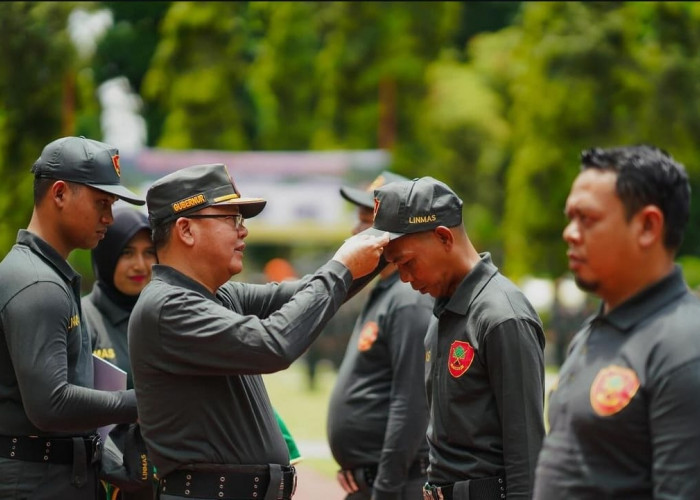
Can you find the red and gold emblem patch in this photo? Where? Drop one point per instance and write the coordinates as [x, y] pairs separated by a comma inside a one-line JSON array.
[[613, 389], [115, 162], [460, 359], [367, 336]]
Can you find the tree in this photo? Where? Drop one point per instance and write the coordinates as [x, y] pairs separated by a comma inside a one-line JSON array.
[[127, 48], [36, 82], [591, 74], [199, 73]]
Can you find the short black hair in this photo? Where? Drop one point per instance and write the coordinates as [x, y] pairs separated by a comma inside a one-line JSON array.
[[647, 175], [42, 185], [160, 233]]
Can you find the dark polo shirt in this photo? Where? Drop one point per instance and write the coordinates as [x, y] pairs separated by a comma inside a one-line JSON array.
[[485, 383], [625, 413], [108, 323], [198, 361], [377, 412], [46, 375]]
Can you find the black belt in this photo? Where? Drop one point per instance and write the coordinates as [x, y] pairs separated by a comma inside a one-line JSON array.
[[489, 488], [368, 473], [51, 450], [231, 482]]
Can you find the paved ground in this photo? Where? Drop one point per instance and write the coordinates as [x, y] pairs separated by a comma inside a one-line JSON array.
[[315, 486]]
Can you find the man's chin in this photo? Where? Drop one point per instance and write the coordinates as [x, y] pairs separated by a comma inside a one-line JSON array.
[[586, 285]]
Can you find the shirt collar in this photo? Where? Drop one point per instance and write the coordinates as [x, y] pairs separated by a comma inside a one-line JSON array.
[[385, 283], [647, 302], [469, 288], [48, 254], [113, 311], [174, 277]]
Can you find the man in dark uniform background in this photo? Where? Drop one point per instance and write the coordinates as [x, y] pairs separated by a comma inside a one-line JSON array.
[[377, 412], [484, 349], [624, 414], [200, 343], [49, 411]]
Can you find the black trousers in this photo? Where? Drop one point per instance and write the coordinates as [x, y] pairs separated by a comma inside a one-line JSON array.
[[20, 480]]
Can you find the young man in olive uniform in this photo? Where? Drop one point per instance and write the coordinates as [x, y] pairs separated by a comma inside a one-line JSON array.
[[48, 409], [199, 343], [484, 355], [624, 415], [377, 414]]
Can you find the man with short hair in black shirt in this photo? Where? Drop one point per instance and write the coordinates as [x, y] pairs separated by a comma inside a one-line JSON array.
[[624, 414], [484, 366], [49, 411], [377, 414]]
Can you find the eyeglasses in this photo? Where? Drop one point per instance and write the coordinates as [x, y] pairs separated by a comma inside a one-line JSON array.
[[236, 218]]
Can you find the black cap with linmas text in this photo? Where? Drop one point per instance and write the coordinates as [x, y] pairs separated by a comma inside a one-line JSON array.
[[365, 198], [191, 189], [415, 206], [84, 161]]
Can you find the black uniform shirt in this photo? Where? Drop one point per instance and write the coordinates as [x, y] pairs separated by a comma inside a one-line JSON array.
[[377, 411], [197, 360], [46, 375], [485, 383], [625, 415], [108, 323]]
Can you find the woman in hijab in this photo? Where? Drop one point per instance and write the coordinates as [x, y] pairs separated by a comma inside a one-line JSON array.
[[122, 265]]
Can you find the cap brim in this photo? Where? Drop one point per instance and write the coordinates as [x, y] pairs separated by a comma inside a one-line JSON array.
[[380, 232], [121, 192], [249, 207], [358, 196]]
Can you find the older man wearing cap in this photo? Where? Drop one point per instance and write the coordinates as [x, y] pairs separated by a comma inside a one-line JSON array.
[[484, 356], [199, 343], [377, 414], [49, 410]]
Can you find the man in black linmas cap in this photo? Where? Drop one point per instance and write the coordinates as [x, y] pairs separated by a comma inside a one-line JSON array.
[[484, 349], [49, 411], [199, 343], [377, 414]]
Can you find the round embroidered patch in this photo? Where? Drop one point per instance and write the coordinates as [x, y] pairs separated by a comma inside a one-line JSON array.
[[613, 389], [460, 359], [367, 336]]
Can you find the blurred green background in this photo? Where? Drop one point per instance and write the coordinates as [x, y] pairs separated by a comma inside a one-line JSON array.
[[495, 98]]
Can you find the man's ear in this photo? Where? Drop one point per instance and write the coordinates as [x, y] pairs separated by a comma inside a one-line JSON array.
[[651, 223], [444, 236], [58, 192], [185, 231]]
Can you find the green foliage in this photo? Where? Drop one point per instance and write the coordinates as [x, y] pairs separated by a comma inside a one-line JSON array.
[[294, 75], [591, 74], [691, 270], [35, 85], [495, 98], [198, 74]]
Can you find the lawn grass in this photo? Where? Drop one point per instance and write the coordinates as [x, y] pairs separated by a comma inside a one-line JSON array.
[[304, 410]]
